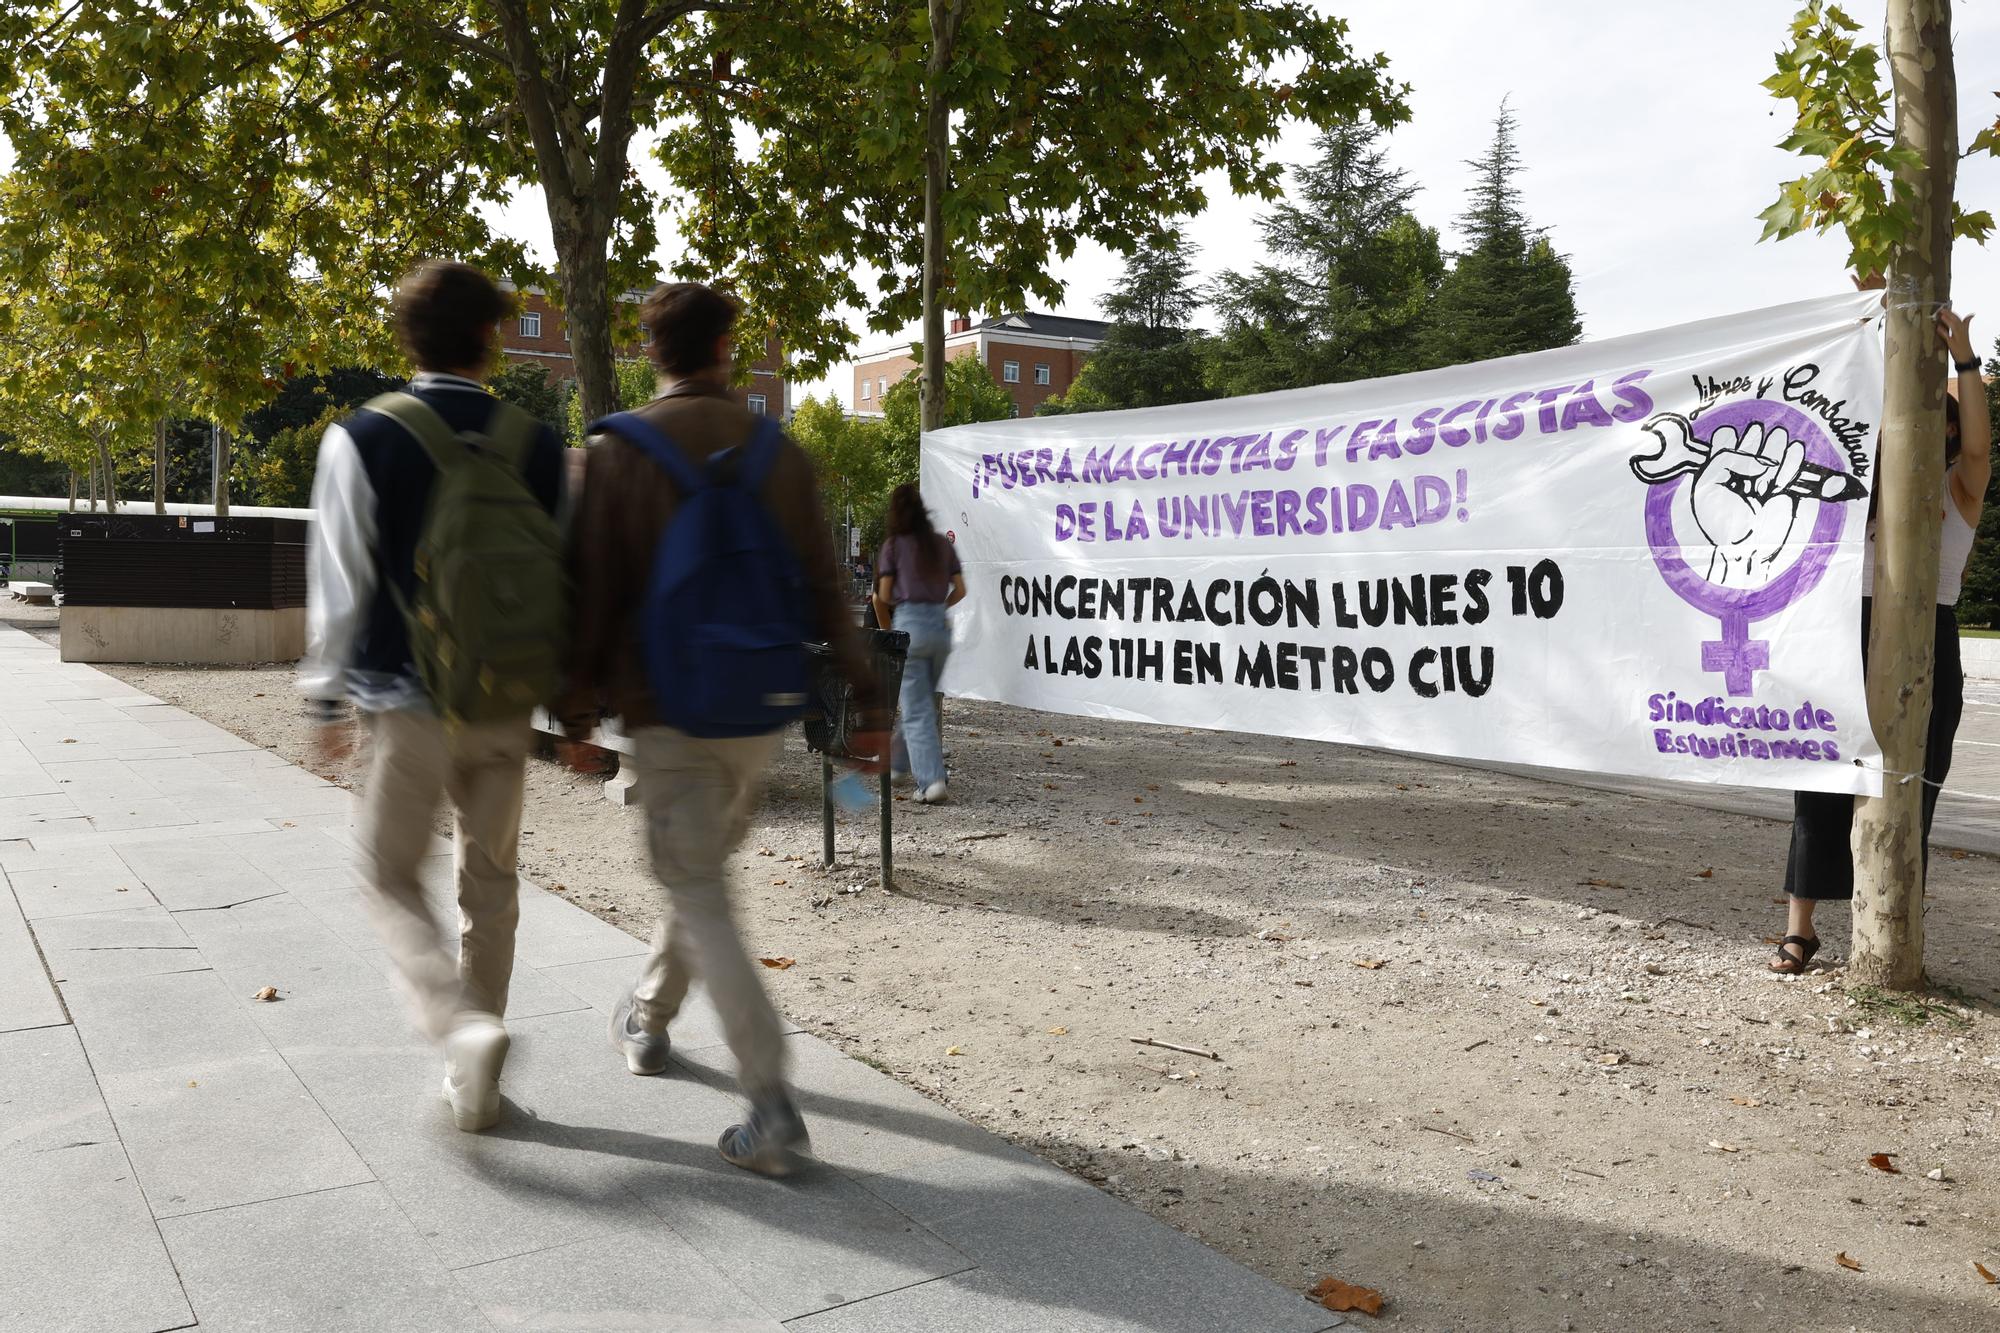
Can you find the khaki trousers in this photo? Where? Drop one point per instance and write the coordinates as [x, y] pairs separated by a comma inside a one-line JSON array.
[[699, 796], [417, 763]]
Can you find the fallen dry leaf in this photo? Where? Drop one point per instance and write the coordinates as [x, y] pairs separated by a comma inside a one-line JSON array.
[[1114, 821], [1613, 1058], [1372, 964], [953, 1050], [1720, 1146], [1283, 824], [1846, 1262], [1058, 1032], [1337, 1295], [1602, 883], [1152, 786], [778, 883], [1959, 854], [765, 851], [1288, 763], [1984, 1272], [1746, 1101], [1880, 1161], [268, 994], [778, 963], [1705, 874]]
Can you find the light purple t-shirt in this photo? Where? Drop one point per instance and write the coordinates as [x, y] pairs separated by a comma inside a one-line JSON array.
[[901, 560]]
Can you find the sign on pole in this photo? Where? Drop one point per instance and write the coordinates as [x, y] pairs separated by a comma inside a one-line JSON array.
[[1641, 556]]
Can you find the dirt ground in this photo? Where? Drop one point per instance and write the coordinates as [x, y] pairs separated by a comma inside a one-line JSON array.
[[1502, 1049]]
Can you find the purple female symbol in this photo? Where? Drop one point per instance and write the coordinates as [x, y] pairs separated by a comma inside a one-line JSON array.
[[1736, 655]]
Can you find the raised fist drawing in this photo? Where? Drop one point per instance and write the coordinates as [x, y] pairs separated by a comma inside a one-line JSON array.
[[1744, 501]]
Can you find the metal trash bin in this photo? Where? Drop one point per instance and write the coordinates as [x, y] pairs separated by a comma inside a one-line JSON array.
[[832, 720]]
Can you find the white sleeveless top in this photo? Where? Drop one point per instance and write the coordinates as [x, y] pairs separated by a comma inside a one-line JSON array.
[[1954, 549]]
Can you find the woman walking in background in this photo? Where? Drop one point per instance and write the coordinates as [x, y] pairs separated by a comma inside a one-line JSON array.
[[1821, 865], [917, 576]]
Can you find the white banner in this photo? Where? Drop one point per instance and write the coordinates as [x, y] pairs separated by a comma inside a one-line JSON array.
[[1641, 556]]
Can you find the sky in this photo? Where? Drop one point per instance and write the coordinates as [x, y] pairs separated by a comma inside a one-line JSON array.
[[1648, 143]]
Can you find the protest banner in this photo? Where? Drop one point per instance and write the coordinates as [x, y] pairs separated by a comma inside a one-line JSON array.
[[1637, 556]]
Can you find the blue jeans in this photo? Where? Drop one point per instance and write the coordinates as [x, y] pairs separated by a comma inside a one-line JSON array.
[[917, 723]]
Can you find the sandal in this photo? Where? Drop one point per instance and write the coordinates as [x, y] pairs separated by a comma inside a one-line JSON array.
[[1786, 965]]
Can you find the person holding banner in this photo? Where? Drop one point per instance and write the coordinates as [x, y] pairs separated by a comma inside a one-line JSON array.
[[917, 576], [1821, 863]]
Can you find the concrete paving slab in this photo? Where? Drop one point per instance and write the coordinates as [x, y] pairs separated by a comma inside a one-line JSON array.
[[863, 1121], [183, 1020], [28, 997], [647, 1279], [605, 983], [49, 893], [340, 1261], [275, 941], [554, 932], [974, 1300], [67, 1191], [478, 1197], [196, 873], [140, 941], [228, 1132], [1105, 1267]]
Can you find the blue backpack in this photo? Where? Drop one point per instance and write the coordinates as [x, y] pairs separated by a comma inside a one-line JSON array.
[[723, 626]]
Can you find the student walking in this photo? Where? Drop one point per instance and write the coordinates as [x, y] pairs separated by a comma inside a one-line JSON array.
[[701, 559], [916, 577], [436, 604]]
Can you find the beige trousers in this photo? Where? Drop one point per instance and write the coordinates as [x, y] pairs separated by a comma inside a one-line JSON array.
[[699, 796], [417, 763]]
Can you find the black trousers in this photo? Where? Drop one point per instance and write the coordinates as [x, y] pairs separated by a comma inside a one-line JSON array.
[[1821, 864]]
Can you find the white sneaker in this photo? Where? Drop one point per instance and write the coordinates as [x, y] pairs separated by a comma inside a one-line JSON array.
[[933, 794], [473, 1054]]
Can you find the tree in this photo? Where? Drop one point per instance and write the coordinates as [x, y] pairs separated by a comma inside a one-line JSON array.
[[970, 395], [851, 457], [991, 136], [1508, 291], [531, 388], [1349, 287], [637, 383], [1151, 354], [202, 185], [1888, 165]]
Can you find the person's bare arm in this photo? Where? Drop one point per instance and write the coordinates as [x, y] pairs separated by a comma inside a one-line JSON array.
[[957, 593], [1974, 467], [885, 609]]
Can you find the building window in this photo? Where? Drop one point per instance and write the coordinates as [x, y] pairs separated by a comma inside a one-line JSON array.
[[1041, 373], [1010, 372], [867, 387], [531, 325], [757, 403], [882, 386]]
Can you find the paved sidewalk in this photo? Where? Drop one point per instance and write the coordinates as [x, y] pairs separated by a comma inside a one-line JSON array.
[[175, 1154]]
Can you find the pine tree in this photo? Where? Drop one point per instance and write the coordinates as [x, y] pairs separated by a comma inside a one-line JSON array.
[[1152, 354], [1351, 276], [1509, 291]]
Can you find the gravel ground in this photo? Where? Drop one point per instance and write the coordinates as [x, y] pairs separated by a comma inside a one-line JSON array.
[[1502, 1049]]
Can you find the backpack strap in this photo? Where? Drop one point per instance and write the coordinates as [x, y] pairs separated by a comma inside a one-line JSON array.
[[510, 431], [759, 453], [421, 420], [653, 442]]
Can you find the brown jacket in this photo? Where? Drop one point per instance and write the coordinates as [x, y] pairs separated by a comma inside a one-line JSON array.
[[615, 529]]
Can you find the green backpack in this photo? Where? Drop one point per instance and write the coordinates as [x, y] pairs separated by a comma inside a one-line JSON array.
[[490, 616]]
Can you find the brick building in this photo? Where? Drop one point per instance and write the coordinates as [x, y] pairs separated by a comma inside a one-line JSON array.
[[537, 334], [1034, 357]]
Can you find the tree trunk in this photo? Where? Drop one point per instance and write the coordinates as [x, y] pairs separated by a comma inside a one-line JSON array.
[[945, 16], [160, 466], [219, 479], [1909, 478], [581, 269], [93, 483], [72, 490], [110, 474]]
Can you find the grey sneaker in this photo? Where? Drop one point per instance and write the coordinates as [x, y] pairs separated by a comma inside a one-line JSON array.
[[645, 1052], [770, 1142]]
